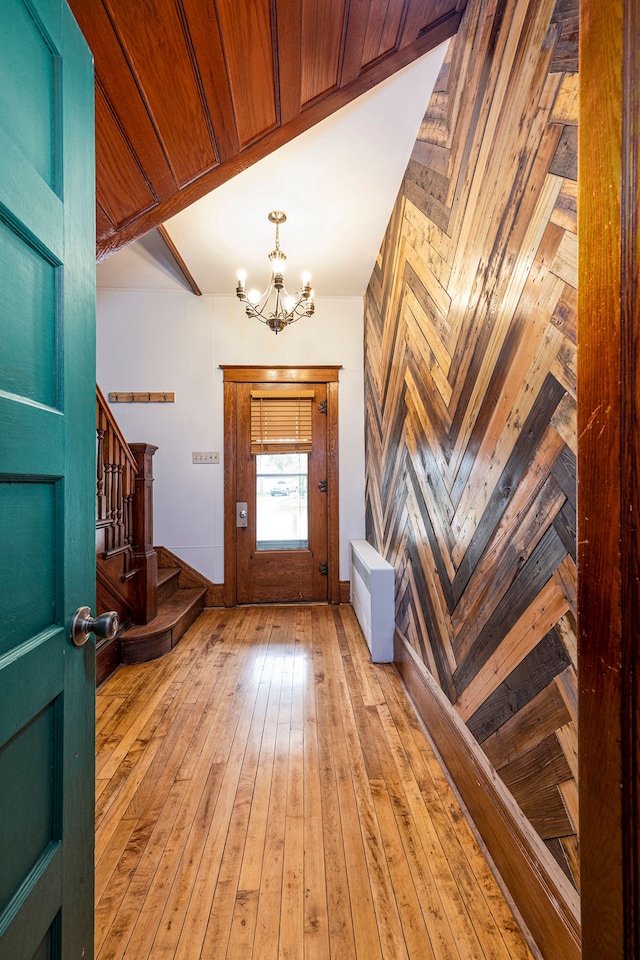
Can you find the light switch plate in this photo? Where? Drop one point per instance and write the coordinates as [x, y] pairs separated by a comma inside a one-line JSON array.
[[205, 456]]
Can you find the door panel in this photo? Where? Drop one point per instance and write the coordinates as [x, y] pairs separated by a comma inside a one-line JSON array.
[[27, 306], [47, 478], [28, 808], [280, 575], [28, 104]]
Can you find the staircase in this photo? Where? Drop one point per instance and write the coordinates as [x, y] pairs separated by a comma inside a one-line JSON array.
[[178, 607], [154, 608]]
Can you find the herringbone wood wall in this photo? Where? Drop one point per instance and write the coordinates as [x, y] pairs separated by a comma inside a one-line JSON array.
[[470, 342]]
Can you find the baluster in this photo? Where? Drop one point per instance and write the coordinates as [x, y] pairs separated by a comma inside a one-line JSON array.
[[119, 511], [132, 498], [100, 473], [108, 480], [107, 454], [128, 536], [108, 476], [127, 520], [107, 504], [114, 493]]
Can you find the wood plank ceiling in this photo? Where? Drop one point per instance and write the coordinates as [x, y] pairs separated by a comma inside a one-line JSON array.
[[191, 92]]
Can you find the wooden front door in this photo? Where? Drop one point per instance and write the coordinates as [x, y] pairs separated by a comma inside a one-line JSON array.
[[47, 482], [281, 512], [282, 550]]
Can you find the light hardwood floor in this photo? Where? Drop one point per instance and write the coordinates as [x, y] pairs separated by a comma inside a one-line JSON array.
[[264, 791]]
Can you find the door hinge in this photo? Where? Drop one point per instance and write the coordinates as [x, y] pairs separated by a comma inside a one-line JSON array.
[[322, 406], [324, 568], [322, 486]]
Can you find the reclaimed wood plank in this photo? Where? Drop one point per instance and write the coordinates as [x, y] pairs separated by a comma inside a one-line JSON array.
[[539, 796], [514, 710], [565, 108], [545, 611], [539, 719], [565, 162]]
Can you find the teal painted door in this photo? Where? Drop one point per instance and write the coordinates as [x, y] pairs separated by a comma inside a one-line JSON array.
[[47, 482]]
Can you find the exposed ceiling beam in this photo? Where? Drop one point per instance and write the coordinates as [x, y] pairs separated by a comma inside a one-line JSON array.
[[182, 267]]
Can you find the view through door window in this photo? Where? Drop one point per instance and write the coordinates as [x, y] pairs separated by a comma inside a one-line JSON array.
[[282, 511]]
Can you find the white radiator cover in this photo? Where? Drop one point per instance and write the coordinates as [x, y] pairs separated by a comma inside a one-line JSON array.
[[372, 598]]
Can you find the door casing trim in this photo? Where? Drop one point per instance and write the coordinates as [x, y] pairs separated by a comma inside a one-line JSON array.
[[234, 374]]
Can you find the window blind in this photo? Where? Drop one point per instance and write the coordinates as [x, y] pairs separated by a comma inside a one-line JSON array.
[[281, 421]]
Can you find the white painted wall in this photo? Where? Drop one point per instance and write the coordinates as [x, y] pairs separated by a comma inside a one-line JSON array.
[[171, 340]]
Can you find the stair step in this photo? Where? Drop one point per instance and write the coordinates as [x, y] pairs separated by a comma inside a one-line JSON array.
[[175, 615], [167, 582]]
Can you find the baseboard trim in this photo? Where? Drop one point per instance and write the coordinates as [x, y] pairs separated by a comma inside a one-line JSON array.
[[345, 591], [547, 902], [215, 595], [107, 658]]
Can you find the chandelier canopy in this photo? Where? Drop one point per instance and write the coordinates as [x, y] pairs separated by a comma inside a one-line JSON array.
[[276, 306]]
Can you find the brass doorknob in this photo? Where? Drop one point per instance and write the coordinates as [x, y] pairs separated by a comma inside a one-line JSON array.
[[83, 623]]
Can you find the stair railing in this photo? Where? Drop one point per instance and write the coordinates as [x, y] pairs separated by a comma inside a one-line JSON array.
[[124, 512], [116, 471]]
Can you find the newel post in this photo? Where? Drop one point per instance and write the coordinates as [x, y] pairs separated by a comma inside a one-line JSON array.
[[144, 556]]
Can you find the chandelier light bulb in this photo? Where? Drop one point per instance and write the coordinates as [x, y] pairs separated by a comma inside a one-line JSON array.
[[242, 276], [253, 296], [306, 279], [289, 303]]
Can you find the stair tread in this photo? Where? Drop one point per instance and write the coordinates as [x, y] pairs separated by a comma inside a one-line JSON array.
[[165, 573], [169, 612]]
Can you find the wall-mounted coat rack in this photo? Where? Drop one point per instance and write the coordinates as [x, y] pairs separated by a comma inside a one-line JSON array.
[[145, 397]]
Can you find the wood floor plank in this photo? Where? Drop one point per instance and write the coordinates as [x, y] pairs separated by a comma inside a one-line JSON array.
[[341, 934], [291, 940], [247, 893], [275, 798], [267, 930], [316, 918], [105, 708]]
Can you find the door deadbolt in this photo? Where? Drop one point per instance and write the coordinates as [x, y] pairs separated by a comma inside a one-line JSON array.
[[241, 514]]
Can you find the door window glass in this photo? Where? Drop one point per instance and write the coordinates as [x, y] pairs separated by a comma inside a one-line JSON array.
[[282, 504]]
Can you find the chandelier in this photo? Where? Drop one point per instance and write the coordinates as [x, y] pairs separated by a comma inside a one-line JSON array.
[[276, 306]]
